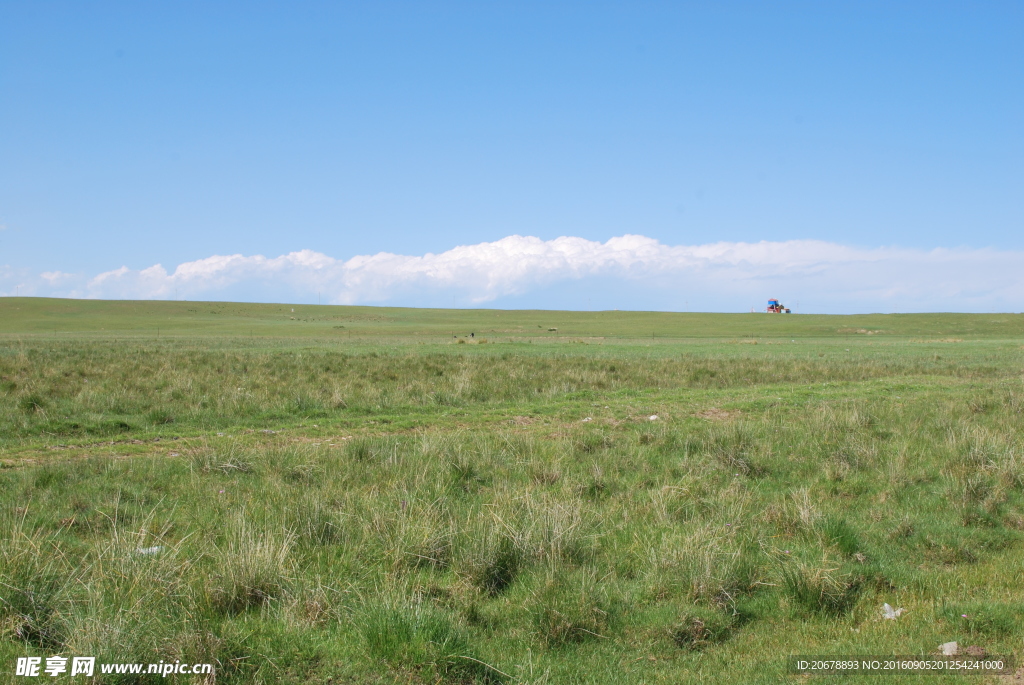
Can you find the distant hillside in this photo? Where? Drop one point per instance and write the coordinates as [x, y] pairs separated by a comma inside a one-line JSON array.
[[44, 316]]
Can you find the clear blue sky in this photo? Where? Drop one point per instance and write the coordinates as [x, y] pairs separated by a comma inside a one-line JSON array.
[[137, 133]]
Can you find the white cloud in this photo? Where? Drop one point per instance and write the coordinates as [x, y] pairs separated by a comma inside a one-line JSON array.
[[57, 278], [715, 276]]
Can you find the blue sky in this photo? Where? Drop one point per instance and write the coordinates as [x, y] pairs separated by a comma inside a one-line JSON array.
[[138, 134]]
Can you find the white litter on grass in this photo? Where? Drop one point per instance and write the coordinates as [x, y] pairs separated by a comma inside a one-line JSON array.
[[892, 614], [149, 551], [587, 419], [653, 417], [949, 648]]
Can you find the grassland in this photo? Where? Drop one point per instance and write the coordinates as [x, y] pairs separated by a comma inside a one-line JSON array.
[[343, 494]]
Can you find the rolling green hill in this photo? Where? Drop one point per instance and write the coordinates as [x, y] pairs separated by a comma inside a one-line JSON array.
[[42, 316]]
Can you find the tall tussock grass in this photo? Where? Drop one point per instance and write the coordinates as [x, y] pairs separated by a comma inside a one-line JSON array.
[[535, 531], [38, 588], [252, 568], [708, 565], [128, 597]]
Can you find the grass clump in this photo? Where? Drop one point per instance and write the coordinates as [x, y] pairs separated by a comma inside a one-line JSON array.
[[707, 565], [821, 589], [839, 534], [736, 448], [699, 628], [314, 522], [37, 590], [424, 640], [573, 607], [252, 569], [500, 567], [986, 619], [32, 402]]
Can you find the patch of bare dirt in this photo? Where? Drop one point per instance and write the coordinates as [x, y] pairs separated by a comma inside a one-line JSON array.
[[1017, 677], [716, 414]]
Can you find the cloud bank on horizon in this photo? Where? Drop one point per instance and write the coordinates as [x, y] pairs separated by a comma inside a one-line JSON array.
[[627, 272]]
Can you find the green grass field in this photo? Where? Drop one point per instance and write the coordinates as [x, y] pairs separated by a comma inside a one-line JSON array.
[[369, 495]]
